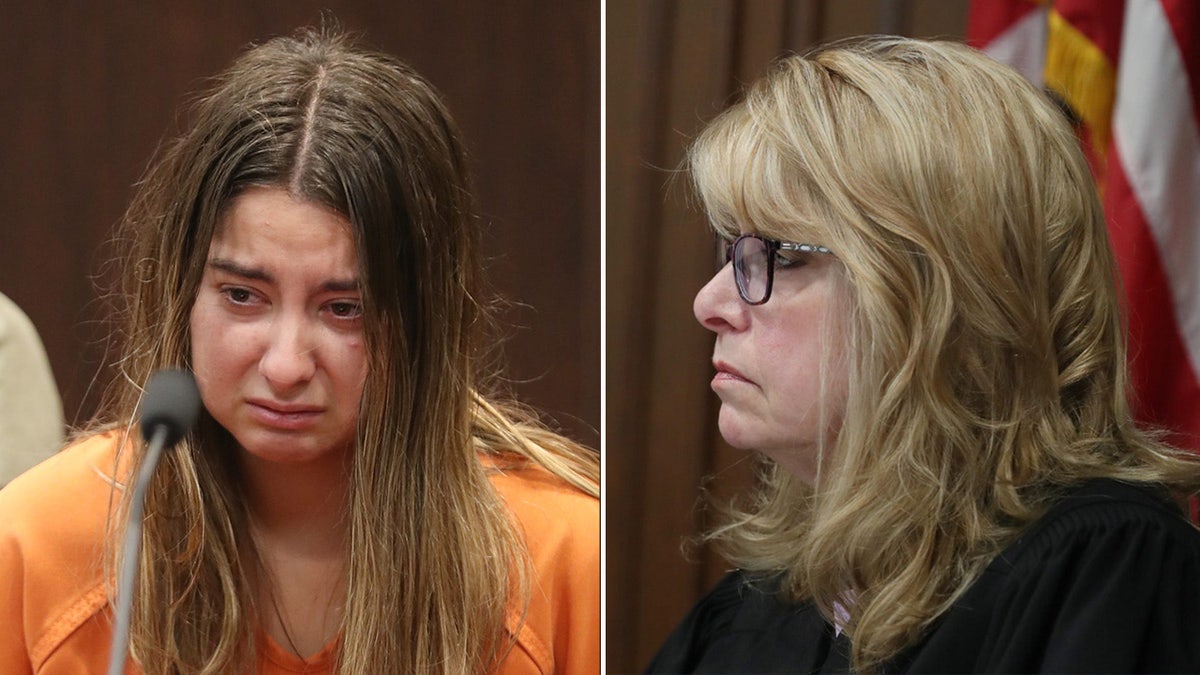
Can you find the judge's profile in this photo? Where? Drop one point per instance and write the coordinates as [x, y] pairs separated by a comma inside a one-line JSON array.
[[917, 335]]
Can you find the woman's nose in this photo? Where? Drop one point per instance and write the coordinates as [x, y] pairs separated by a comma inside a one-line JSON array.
[[290, 357], [717, 306]]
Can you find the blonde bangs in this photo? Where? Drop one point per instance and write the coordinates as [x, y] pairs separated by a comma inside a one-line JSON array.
[[747, 184]]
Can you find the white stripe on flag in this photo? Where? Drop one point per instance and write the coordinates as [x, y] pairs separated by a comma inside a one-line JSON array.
[[1023, 46], [1156, 135]]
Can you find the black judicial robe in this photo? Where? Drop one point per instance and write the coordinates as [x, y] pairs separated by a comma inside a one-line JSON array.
[[1107, 581]]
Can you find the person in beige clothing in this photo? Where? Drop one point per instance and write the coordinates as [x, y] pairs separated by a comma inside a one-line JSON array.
[[31, 416]]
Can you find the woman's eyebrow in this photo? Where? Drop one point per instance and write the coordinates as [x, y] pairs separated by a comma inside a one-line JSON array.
[[259, 274], [237, 269], [340, 285]]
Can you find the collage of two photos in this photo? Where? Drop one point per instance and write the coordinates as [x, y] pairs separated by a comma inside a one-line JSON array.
[[621, 336]]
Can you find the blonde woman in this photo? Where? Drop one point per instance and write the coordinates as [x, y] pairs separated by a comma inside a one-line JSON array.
[[917, 328], [353, 499]]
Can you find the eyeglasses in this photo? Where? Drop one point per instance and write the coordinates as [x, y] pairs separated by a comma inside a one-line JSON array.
[[754, 259]]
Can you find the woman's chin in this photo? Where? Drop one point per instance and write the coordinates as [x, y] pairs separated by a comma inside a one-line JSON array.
[[282, 449]]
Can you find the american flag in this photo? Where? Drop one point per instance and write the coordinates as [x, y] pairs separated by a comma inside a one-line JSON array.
[[1130, 72]]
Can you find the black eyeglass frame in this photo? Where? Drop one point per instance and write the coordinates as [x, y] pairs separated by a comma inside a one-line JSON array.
[[773, 246]]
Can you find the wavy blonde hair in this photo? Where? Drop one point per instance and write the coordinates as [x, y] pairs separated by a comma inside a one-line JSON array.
[[986, 355], [434, 564]]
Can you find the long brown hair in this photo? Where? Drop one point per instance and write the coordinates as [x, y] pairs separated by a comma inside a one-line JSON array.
[[979, 307], [433, 562]]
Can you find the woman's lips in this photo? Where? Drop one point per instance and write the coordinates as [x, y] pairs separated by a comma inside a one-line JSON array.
[[283, 416], [728, 374]]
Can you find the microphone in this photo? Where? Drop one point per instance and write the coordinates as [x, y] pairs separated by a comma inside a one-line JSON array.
[[170, 406]]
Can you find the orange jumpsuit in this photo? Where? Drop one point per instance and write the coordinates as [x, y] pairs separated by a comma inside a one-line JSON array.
[[55, 617]]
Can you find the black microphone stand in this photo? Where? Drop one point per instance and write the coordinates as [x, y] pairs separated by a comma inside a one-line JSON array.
[[169, 409], [131, 547]]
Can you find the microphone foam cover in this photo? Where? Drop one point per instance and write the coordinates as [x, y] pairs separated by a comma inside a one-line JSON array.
[[171, 400]]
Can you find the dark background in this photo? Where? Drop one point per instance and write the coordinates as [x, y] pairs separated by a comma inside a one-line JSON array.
[[671, 66], [89, 89]]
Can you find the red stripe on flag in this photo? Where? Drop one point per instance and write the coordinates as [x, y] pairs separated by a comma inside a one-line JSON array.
[[1167, 390], [987, 20], [1099, 21]]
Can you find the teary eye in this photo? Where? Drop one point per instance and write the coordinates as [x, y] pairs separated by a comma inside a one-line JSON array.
[[238, 295], [345, 310]]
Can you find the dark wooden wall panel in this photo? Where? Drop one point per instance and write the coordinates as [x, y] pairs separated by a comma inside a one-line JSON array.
[[91, 88], [671, 66]]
